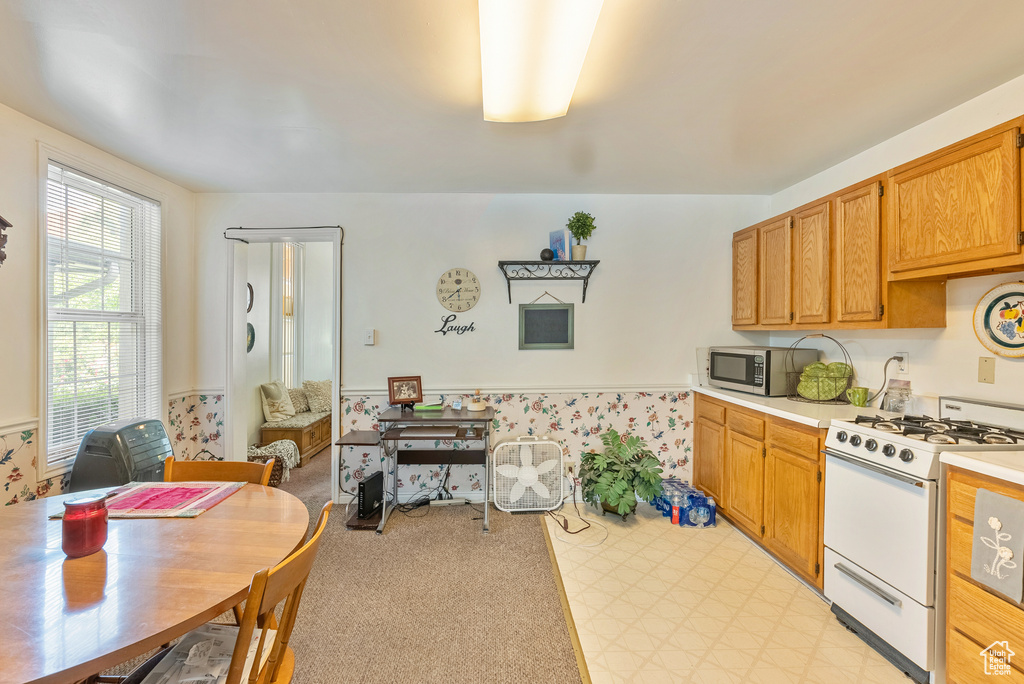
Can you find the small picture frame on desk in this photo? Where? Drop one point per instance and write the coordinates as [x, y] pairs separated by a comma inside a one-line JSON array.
[[457, 404], [405, 390]]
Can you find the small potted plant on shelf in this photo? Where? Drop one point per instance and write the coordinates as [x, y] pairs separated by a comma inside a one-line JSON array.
[[625, 472], [580, 225]]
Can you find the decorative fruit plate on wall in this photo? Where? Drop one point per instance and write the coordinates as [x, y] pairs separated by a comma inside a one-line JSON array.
[[999, 320]]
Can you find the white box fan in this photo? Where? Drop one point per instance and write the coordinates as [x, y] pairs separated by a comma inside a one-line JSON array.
[[528, 474]]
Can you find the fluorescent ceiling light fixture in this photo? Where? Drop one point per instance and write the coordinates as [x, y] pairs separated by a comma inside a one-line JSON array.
[[532, 52]]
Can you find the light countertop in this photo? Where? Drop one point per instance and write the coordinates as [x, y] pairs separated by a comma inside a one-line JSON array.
[[1003, 465], [806, 413]]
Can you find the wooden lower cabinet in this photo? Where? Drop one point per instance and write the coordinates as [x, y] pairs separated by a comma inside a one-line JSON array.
[[709, 440], [766, 475], [975, 616], [791, 510], [744, 481]]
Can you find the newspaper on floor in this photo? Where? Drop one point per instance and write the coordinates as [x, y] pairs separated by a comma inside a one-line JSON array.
[[203, 656]]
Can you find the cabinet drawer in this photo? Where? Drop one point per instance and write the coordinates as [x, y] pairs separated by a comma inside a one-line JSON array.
[[984, 617], [965, 665], [963, 489], [749, 424], [796, 439], [710, 409]]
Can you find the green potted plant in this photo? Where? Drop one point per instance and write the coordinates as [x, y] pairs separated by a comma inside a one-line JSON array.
[[580, 225], [625, 472]]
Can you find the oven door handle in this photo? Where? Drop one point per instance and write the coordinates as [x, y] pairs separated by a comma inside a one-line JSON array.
[[875, 469], [891, 600]]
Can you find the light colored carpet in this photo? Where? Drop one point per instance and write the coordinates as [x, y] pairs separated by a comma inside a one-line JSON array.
[[431, 600]]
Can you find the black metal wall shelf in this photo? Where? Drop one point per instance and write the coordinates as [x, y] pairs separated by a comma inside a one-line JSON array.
[[547, 270]]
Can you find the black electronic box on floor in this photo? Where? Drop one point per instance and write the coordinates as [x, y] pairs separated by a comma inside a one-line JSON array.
[[371, 495]]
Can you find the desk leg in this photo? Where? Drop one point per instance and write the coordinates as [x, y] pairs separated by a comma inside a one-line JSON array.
[[487, 476], [390, 463]]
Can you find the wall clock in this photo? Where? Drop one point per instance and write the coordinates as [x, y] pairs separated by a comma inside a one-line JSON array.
[[458, 289]]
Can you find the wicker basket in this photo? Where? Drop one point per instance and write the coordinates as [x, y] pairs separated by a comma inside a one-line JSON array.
[[824, 389], [276, 473]]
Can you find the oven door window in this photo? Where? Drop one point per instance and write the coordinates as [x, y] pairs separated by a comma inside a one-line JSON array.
[[738, 368]]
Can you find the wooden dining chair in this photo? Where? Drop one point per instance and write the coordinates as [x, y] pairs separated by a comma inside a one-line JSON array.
[[226, 471], [270, 587]]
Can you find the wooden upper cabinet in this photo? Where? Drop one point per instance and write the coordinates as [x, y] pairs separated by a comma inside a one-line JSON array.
[[744, 277], [957, 211], [811, 264], [858, 293], [774, 298]]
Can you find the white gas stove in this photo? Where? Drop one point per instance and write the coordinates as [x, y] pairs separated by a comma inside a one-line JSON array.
[[882, 499]]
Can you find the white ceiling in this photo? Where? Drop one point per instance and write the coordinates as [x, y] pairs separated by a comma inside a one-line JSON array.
[[676, 96]]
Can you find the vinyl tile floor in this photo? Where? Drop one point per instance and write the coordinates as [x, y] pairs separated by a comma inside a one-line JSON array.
[[654, 602]]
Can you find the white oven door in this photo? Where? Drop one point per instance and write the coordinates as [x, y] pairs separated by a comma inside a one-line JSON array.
[[884, 521]]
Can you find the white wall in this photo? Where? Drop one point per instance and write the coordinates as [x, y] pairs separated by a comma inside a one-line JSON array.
[[257, 362], [20, 280], [942, 361], [318, 298], [661, 290]]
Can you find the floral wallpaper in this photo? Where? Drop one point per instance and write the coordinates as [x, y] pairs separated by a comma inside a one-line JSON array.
[[18, 454], [576, 420], [195, 424]]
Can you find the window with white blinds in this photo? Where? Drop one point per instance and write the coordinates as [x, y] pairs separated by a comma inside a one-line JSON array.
[[103, 320]]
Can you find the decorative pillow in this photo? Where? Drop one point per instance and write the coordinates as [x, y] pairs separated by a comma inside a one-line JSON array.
[[319, 395], [299, 401], [276, 403]]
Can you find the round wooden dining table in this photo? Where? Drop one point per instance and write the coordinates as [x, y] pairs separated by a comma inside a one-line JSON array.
[[155, 579]]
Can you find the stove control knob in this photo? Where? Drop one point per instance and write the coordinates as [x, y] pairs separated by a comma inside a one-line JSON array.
[[906, 455], [889, 450], [871, 445], [855, 441], [841, 436]]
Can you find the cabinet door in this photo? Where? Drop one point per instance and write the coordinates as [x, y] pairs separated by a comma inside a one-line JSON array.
[[811, 264], [744, 277], [858, 293], [744, 481], [774, 272], [957, 207], [791, 510], [709, 458]]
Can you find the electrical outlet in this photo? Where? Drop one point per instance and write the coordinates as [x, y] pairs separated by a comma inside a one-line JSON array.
[[903, 367], [987, 369], [569, 469]]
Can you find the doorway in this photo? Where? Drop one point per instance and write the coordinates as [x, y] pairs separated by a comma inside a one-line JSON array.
[[284, 308]]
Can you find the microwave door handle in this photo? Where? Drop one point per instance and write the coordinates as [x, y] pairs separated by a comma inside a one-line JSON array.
[[868, 585], [875, 469]]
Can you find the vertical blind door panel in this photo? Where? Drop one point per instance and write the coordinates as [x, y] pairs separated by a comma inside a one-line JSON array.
[[103, 308]]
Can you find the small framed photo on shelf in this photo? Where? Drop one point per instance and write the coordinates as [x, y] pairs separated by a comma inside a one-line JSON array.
[[405, 390]]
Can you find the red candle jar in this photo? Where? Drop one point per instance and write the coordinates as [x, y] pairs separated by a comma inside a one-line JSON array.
[[85, 526]]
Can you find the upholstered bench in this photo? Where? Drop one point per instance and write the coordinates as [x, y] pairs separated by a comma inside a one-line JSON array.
[[311, 432]]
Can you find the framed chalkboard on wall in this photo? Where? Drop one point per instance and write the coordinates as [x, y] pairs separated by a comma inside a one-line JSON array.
[[545, 326]]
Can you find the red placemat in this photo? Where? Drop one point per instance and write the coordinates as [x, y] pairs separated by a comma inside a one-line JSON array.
[[169, 499]]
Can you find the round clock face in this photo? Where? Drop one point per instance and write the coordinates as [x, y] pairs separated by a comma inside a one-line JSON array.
[[458, 289]]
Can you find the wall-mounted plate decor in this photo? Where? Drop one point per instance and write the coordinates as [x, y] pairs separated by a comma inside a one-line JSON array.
[[999, 320], [250, 337], [248, 301]]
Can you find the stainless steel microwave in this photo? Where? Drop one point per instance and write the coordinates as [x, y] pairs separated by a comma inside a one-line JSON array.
[[757, 370]]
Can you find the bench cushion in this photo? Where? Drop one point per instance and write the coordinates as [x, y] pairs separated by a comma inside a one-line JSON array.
[[299, 420]]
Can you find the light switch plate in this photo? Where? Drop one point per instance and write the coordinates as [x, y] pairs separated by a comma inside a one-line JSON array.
[[368, 337], [987, 369]]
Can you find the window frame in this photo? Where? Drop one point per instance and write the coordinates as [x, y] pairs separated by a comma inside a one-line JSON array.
[[103, 173]]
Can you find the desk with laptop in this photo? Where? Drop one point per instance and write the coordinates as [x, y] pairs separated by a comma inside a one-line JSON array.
[[397, 426]]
